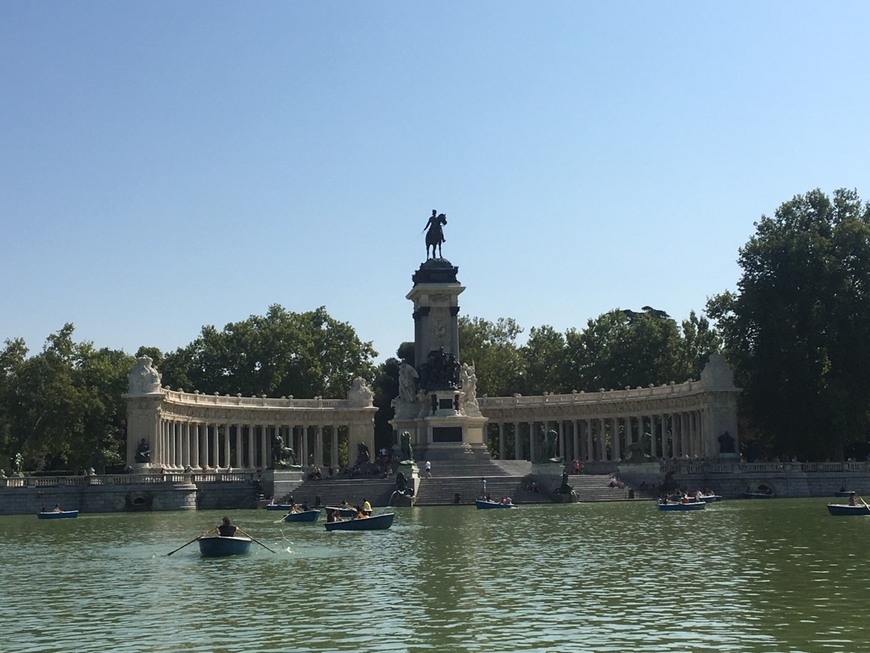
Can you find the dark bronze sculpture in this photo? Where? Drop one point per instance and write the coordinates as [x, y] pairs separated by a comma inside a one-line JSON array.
[[435, 233], [362, 454], [282, 456], [407, 451], [440, 372], [143, 452]]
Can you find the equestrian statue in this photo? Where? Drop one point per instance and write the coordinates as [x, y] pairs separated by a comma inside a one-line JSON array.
[[435, 234]]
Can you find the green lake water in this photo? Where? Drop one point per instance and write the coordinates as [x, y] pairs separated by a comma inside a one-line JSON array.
[[743, 576]]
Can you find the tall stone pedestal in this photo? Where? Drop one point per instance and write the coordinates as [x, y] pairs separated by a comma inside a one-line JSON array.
[[279, 483]]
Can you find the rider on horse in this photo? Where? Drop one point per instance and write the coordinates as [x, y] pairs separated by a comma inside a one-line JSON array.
[[435, 234]]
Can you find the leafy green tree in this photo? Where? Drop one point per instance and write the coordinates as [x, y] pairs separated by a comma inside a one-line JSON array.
[[623, 348], [63, 408], [493, 350], [545, 362], [280, 354], [795, 329], [12, 362], [385, 388], [699, 341]]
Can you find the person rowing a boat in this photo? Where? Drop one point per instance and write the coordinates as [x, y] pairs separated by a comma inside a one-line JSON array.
[[226, 528]]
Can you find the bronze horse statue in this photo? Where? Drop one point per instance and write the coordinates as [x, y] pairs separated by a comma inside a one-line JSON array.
[[435, 235]]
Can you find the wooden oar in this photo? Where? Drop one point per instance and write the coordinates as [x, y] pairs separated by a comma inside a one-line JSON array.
[[254, 539], [864, 502], [191, 542]]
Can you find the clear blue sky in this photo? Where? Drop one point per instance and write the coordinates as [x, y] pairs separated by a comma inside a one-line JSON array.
[[168, 165]]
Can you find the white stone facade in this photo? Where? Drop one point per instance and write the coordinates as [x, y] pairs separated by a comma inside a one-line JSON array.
[[684, 420], [213, 432]]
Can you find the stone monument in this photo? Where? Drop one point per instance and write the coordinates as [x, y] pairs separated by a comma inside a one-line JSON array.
[[437, 401]]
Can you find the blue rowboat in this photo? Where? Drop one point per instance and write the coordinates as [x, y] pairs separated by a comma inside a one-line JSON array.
[[373, 523], [485, 504], [218, 546], [58, 514], [278, 506], [710, 498], [846, 509], [677, 507], [302, 515]]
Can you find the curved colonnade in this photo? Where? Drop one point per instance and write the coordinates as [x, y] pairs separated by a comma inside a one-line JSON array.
[[212, 432], [673, 421], [696, 419]]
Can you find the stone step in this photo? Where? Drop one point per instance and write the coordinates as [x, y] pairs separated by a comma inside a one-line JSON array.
[[459, 484]]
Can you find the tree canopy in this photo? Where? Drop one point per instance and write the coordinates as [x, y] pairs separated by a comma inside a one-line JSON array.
[[279, 354], [63, 408], [795, 328]]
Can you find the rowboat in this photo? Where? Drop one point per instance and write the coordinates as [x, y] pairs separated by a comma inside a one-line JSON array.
[[374, 523], [302, 515], [217, 546], [676, 507], [843, 493], [345, 513], [710, 498], [278, 506], [487, 504], [58, 514], [846, 509]]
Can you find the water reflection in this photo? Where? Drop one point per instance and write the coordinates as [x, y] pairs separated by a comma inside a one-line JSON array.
[[740, 576]]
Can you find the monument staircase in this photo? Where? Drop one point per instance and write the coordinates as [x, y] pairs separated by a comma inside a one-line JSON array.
[[596, 487], [455, 480]]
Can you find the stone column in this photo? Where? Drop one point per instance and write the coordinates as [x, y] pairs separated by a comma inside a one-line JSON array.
[[318, 445], [576, 437], [226, 458], [252, 446], [616, 449], [194, 444], [265, 459], [501, 441], [215, 445], [185, 446], [590, 449], [303, 439], [333, 458], [602, 444], [518, 445], [532, 452]]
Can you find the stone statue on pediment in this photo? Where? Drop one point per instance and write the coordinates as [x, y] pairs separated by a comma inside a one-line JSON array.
[[360, 395], [407, 382], [144, 378], [717, 374]]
